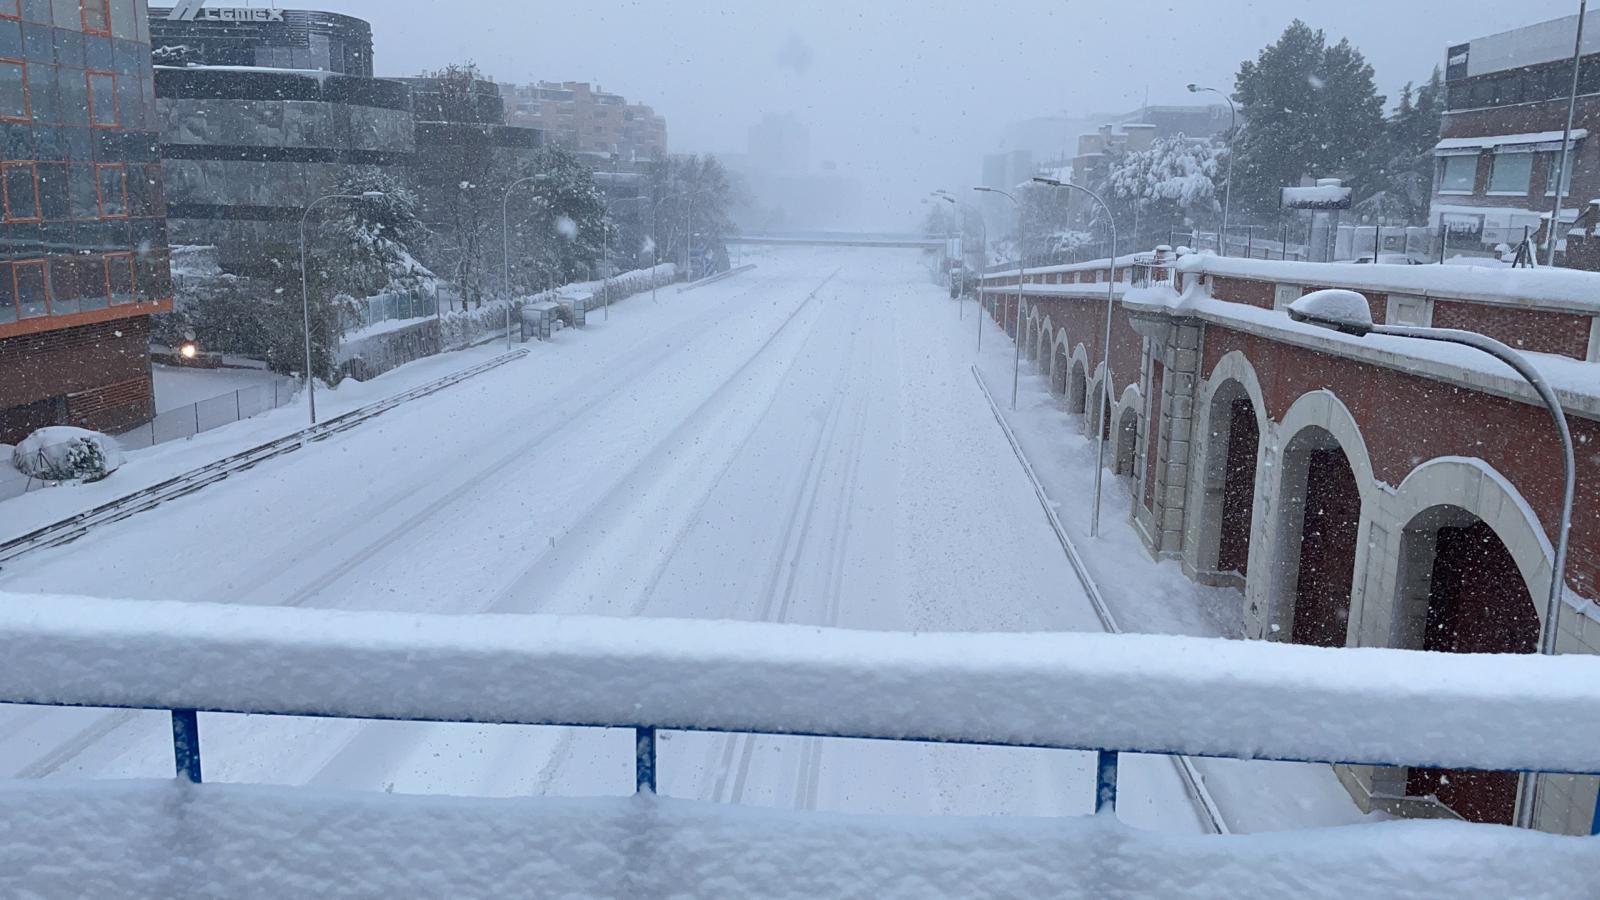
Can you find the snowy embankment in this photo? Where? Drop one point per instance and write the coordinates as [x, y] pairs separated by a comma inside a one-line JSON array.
[[161, 839], [1124, 692], [464, 327]]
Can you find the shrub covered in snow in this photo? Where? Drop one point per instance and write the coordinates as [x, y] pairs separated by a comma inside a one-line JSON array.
[[62, 453]]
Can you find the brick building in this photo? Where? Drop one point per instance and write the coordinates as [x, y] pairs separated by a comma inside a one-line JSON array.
[[1501, 140], [586, 119], [1357, 492], [83, 241]]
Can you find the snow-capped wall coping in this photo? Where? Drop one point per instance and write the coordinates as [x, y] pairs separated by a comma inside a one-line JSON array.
[[164, 839], [1552, 289], [1089, 266], [1577, 382], [1121, 692], [1491, 141]]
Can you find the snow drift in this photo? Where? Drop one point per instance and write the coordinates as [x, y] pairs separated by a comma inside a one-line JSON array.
[[160, 839]]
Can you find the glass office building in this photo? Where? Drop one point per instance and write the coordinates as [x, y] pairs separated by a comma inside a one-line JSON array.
[[83, 242]]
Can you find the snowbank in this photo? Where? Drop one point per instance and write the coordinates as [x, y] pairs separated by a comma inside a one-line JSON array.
[[64, 453], [163, 839], [1127, 692]]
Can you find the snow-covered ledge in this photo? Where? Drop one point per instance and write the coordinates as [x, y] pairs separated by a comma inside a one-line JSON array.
[[1247, 699], [1577, 382]]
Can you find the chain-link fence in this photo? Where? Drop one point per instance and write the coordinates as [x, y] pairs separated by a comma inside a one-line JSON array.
[[176, 425], [215, 412]]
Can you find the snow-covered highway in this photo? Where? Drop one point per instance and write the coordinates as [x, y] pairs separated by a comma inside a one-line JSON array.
[[802, 443]]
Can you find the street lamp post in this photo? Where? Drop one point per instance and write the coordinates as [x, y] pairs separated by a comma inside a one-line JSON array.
[[305, 284], [605, 256], [950, 236], [505, 226], [1233, 131], [1022, 262], [655, 244], [1103, 401], [983, 257], [1348, 312], [1566, 136]]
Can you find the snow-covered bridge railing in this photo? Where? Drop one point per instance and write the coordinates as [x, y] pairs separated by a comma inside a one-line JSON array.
[[1105, 693]]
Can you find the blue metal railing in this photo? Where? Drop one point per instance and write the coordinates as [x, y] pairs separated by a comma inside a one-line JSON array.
[[186, 751]]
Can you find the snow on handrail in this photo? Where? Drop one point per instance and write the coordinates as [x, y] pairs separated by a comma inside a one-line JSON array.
[[1139, 693]]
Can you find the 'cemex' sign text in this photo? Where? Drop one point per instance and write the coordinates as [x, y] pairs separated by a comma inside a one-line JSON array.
[[195, 11]]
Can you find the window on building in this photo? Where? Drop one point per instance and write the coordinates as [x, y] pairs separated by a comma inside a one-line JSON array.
[[21, 185], [1511, 174], [112, 181], [102, 99], [1554, 162], [119, 278], [32, 288], [14, 91], [96, 16], [1458, 174]]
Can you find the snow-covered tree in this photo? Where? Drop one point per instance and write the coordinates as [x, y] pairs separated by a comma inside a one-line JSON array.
[[1171, 182], [558, 223], [691, 198], [370, 243]]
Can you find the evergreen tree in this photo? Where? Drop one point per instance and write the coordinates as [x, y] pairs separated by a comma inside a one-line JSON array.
[[1311, 110], [1405, 181]]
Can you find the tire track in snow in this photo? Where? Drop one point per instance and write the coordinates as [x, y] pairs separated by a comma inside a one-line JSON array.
[[396, 742], [574, 407], [777, 606]]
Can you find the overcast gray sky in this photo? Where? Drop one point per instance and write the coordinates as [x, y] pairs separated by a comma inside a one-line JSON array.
[[905, 96]]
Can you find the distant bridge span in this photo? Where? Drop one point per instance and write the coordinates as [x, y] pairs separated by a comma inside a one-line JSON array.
[[839, 239]]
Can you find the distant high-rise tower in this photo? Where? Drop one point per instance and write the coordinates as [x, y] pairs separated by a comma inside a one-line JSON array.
[[780, 143]]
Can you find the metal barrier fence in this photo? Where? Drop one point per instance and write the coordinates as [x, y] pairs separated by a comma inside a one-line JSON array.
[[1106, 694], [215, 412]]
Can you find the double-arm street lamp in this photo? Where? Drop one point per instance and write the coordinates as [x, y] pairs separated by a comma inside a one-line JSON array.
[[1103, 401], [1348, 312], [1233, 132], [305, 282], [1022, 262]]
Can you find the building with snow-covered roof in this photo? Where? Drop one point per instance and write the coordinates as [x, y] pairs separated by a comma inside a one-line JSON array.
[[1501, 141]]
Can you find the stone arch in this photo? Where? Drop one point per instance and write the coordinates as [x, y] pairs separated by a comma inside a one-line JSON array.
[[1230, 431], [1312, 528], [1098, 392], [1060, 362], [1477, 490], [1042, 340], [1126, 442], [1472, 566], [1078, 382]]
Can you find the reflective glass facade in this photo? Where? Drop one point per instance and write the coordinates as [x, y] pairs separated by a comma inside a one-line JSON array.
[[82, 216], [83, 235], [293, 39]]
